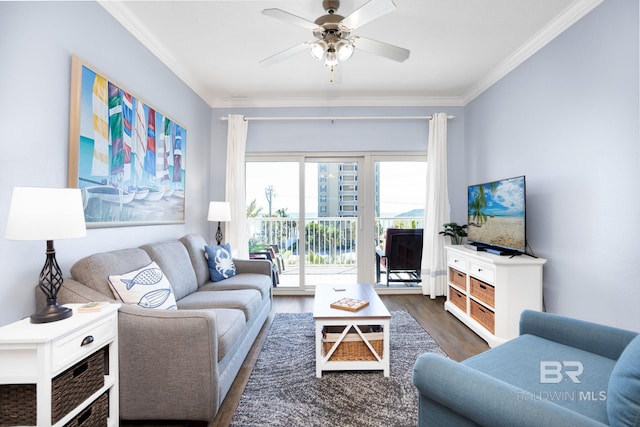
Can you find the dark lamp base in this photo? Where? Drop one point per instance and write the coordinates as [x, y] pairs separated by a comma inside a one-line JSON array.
[[51, 313]]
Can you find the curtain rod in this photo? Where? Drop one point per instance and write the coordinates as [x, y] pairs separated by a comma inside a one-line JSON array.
[[342, 118]]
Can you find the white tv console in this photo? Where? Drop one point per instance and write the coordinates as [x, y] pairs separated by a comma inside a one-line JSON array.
[[488, 292]]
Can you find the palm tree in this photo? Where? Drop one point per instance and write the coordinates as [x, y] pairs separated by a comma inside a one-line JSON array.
[[476, 206], [253, 210], [493, 186]]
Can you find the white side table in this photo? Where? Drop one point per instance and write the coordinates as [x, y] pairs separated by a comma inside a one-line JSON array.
[[79, 350]]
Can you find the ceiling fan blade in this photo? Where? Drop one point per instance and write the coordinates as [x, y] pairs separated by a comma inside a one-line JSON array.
[[290, 18], [380, 48], [374, 9], [281, 56]]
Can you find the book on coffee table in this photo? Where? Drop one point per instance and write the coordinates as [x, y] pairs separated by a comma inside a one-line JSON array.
[[350, 304]]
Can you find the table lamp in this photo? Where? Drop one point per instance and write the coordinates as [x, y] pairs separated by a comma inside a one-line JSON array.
[[47, 214], [221, 212]]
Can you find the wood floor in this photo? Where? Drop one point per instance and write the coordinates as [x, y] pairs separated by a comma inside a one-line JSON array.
[[458, 341]]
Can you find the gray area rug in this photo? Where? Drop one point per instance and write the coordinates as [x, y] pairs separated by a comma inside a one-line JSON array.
[[283, 389]]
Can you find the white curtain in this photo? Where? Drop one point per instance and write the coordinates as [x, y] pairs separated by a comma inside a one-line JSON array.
[[237, 229], [437, 210]]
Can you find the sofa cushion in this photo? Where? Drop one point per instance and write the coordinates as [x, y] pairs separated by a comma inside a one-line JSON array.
[[255, 281], [623, 396], [195, 246], [246, 300], [94, 270], [220, 262], [174, 260], [519, 362], [147, 287], [231, 326]]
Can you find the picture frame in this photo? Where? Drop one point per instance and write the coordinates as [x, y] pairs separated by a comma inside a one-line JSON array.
[[128, 158]]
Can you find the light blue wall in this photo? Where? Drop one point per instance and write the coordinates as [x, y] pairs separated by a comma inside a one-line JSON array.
[[568, 119], [37, 40]]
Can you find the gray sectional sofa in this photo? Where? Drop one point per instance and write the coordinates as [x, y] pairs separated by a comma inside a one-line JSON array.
[[178, 364]]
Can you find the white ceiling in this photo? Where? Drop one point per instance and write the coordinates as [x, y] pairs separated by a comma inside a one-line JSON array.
[[458, 48]]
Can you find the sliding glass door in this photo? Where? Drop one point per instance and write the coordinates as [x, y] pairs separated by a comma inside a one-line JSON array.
[[303, 214], [321, 219], [331, 221], [399, 204], [273, 206]]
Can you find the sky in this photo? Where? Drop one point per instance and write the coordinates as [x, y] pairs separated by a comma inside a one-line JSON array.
[[507, 200]]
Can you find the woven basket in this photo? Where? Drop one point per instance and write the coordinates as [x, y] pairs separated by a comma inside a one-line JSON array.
[[352, 348], [76, 384], [95, 415], [17, 404], [68, 390]]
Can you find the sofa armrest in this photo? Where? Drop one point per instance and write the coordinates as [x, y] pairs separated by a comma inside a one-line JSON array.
[[485, 400], [603, 340], [163, 354], [257, 266]]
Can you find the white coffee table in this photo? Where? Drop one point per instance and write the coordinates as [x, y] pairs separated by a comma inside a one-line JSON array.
[[374, 314]]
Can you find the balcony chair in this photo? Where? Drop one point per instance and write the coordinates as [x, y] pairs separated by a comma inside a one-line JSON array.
[[277, 264], [275, 252], [402, 256]]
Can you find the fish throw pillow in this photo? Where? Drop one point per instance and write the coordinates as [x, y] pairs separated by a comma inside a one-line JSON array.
[[220, 262], [146, 287]]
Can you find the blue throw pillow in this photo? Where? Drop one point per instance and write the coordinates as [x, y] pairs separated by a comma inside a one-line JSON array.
[[623, 396], [220, 262]]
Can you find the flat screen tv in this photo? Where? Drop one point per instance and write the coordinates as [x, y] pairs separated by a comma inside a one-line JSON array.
[[496, 216]]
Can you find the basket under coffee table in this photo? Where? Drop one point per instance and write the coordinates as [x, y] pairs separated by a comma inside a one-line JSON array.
[[347, 340]]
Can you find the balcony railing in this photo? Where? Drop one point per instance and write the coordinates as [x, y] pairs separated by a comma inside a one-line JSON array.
[[329, 241]]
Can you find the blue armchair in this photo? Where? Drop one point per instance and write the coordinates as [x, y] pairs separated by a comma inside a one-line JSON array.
[[558, 372]]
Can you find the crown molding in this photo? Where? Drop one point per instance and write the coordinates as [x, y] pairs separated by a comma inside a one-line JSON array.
[[121, 13], [364, 101], [557, 26]]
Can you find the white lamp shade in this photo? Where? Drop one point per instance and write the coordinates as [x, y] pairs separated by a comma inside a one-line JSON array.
[[45, 214], [219, 211], [317, 49], [344, 49], [331, 59]]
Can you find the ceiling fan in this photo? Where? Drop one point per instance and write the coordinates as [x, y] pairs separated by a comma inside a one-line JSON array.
[[333, 40]]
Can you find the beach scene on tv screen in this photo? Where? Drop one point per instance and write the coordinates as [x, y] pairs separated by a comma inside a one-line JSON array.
[[496, 213]]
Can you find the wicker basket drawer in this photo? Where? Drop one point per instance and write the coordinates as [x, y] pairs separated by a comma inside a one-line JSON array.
[[457, 278], [68, 390], [352, 347], [17, 404], [483, 315], [458, 299], [95, 415], [482, 291], [76, 384]]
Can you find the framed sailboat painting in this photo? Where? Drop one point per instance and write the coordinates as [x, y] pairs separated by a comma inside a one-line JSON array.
[[126, 156]]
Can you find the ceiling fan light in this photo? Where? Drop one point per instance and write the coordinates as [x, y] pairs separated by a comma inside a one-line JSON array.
[[331, 60], [344, 49], [317, 49]]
